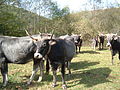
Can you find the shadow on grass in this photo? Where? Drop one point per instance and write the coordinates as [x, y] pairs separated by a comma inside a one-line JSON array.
[[14, 85], [102, 49], [82, 65], [90, 52], [45, 78], [90, 77]]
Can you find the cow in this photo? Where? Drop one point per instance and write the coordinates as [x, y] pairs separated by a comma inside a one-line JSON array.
[[78, 41], [113, 41], [101, 38], [67, 37], [19, 50], [94, 43], [58, 52]]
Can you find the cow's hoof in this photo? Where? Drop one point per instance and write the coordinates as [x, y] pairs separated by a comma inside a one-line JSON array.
[[28, 83], [64, 86], [4, 85], [54, 85], [40, 79]]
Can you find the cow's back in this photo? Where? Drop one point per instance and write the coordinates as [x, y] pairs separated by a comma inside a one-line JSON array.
[[116, 44], [63, 49], [17, 50]]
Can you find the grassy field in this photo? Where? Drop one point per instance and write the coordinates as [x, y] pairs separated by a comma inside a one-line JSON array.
[[91, 70]]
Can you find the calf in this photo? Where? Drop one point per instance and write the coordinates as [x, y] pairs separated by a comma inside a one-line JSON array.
[[58, 52], [113, 41]]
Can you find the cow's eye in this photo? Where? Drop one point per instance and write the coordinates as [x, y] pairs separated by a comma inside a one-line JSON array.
[[44, 44]]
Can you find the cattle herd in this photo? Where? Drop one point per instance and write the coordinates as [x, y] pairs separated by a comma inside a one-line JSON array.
[[57, 52]]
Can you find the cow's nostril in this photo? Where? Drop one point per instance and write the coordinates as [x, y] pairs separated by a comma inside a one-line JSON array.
[[37, 56]]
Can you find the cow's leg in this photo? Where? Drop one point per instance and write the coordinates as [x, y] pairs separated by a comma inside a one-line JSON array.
[[112, 60], [63, 76], [47, 67], [99, 45], [54, 69], [94, 45], [113, 53], [102, 45], [54, 78], [79, 48], [4, 71], [68, 67], [112, 57], [76, 48], [41, 65], [35, 69]]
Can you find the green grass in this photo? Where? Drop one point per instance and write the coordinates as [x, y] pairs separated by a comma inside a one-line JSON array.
[[91, 70]]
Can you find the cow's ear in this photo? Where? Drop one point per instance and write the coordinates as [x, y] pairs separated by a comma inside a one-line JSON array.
[[35, 40], [105, 35], [52, 42], [115, 38]]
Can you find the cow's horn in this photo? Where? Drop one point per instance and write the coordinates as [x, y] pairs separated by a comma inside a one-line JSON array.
[[52, 34], [40, 34], [30, 35]]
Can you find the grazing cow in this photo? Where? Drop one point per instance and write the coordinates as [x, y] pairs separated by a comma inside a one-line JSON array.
[[78, 41], [113, 41], [101, 41], [58, 52], [18, 50]]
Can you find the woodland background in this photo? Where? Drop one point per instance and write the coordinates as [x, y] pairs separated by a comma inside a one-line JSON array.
[[45, 15]]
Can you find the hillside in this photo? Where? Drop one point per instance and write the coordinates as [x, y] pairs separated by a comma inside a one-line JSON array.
[[13, 20], [91, 23]]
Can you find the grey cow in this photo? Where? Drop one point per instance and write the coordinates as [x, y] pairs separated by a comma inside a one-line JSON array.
[[19, 50]]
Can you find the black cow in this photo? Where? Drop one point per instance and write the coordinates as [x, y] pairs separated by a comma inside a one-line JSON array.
[[78, 41], [58, 52], [101, 38], [19, 50], [113, 41]]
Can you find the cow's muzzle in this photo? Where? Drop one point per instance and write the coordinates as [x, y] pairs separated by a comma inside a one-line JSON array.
[[108, 45], [38, 56]]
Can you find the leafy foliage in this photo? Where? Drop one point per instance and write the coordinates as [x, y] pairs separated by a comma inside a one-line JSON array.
[[98, 21], [14, 20]]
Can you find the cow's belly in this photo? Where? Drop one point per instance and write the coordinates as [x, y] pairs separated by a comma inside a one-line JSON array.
[[18, 55], [20, 52], [19, 58]]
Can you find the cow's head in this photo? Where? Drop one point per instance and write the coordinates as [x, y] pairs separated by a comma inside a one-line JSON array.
[[76, 38], [110, 38], [43, 44], [43, 48]]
